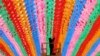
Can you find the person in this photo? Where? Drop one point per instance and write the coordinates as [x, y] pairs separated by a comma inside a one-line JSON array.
[[51, 44]]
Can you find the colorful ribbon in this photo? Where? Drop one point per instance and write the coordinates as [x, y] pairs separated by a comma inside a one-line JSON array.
[[87, 27], [15, 18], [93, 50], [5, 29], [6, 48], [89, 37], [68, 9], [89, 6], [74, 18], [96, 51], [31, 10], [11, 27], [25, 26], [4, 37]]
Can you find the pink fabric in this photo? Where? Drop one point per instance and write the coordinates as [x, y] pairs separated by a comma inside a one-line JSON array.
[[7, 32], [90, 4], [96, 51], [40, 9]]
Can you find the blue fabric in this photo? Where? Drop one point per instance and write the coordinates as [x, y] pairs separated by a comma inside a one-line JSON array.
[[30, 8]]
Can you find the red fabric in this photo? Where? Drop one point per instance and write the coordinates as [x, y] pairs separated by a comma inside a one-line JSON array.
[[59, 8], [4, 50]]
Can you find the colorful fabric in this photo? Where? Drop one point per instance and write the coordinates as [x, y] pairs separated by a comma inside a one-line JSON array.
[[50, 27]]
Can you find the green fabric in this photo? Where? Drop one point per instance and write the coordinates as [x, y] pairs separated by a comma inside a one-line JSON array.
[[11, 27], [49, 21], [87, 28]]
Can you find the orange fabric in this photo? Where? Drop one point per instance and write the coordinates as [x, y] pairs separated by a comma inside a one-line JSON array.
[[69, 6], [6, 48], [20, 8]]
